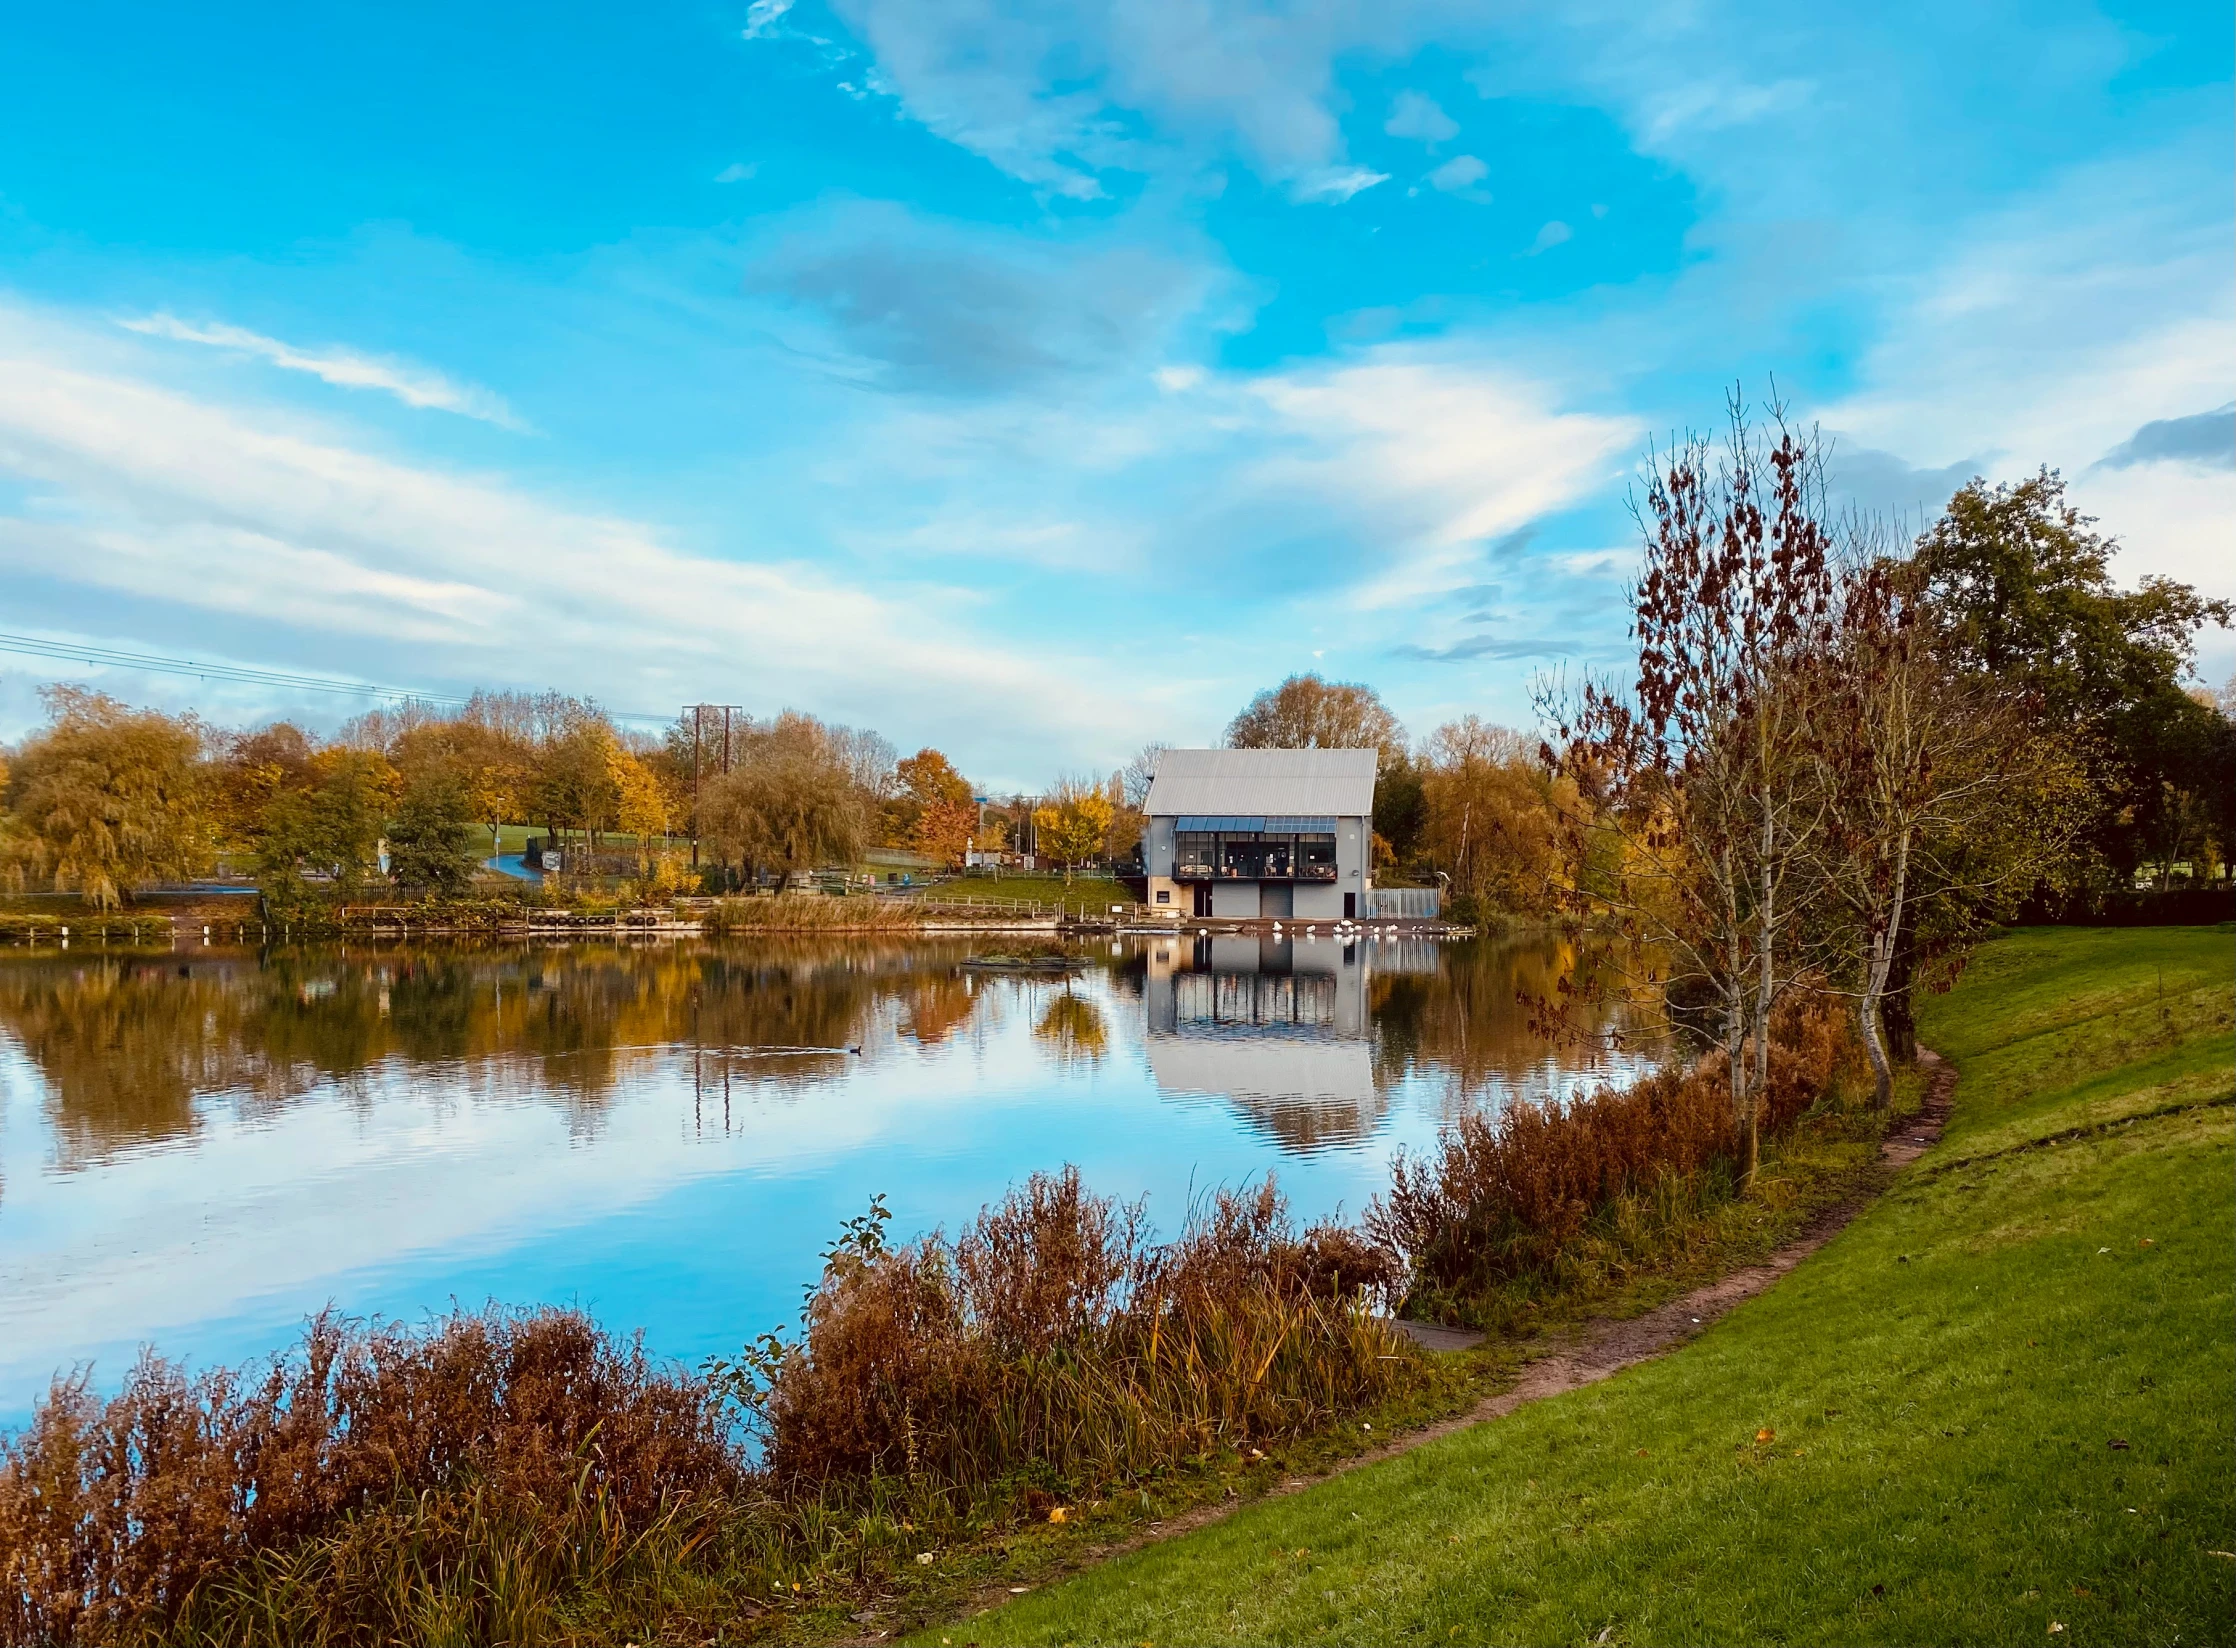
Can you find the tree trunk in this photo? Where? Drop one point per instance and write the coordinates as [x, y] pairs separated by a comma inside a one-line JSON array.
[[1877, 966], [1896, 1006]]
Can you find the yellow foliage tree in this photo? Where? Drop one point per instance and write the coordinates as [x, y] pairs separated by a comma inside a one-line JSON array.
[[112, 798], [1073, 824]]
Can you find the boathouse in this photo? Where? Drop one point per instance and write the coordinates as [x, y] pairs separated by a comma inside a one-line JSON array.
[[1285, 835]]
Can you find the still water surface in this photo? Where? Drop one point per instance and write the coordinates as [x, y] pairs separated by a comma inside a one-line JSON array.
[[198, 1149]]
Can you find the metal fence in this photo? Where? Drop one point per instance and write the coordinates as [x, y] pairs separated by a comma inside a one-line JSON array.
[[1404, 903]]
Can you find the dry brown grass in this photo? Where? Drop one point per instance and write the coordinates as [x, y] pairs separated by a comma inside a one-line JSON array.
[[1054, 1337], [115, 1514], [1513, 1193], [812, 913], [522, 1477]]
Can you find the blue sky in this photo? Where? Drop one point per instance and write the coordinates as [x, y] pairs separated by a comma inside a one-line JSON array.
[[1037, 380]]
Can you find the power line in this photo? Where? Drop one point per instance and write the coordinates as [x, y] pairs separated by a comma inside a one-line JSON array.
[[245, 675]]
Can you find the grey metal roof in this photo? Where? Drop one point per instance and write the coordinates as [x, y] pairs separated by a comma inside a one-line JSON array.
[[1309, 783]]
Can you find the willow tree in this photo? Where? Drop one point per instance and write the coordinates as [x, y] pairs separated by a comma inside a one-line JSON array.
[[111, 798], [791, 800]]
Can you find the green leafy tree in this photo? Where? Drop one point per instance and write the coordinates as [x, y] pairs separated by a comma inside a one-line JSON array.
[[328, 827], [433, 837], [2018, 588]]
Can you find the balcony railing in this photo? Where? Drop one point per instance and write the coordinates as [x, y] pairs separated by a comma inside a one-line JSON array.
[[1235, 872]]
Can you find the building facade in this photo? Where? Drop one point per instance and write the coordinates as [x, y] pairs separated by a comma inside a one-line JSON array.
[[1284, 835]]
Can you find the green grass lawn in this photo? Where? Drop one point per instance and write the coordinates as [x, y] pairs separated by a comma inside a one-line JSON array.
[[1997, 1408], [1089, 890]]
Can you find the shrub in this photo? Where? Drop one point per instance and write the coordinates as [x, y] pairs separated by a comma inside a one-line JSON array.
[[522, 1477], [1054, 1335], [113, 1514], [1509, 1193]]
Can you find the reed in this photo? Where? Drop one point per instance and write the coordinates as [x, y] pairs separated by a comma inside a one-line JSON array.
[[1540, 1195], [1052, 1336], [796, 913], [116, 1516], [519, 1476]]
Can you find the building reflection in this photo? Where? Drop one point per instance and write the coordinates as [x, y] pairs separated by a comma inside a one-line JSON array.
[[1278, 1028]]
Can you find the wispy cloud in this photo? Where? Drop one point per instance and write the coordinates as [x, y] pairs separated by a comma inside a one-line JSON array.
[[762, 17], [233, 518], [1483, 645], [345, 368], [1336, 184]]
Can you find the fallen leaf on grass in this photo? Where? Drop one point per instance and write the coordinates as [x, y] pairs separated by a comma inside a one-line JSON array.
[[1057, 1515], [923, 1559], [1766, 1434], [2056, 1625], [2119, 1442]]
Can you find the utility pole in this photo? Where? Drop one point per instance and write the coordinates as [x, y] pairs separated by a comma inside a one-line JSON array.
[[698, 714]]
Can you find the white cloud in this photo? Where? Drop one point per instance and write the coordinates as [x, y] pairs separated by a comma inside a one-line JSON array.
[[762, 17], [1717, 105], [1052, 95], [321, 548], [413, 385], [1419, 117], [1444, 453], [2055, 329], [1336, 184], [1553, 234], [737, 171], [1460, 172]]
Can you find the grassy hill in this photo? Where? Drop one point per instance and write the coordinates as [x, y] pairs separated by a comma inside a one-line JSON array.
[[1995, 1409]]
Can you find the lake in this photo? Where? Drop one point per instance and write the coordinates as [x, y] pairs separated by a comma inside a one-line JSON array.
[[199, 1148]]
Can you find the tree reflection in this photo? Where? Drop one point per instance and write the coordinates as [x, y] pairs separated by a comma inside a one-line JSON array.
[[1306, 1043], [129, 1049], [1072, 1029]]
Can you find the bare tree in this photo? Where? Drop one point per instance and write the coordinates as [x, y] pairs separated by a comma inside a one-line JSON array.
[[1704, 767], [1138, 774], [1940, 789]]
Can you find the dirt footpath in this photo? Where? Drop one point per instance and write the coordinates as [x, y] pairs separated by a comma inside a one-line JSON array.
[[1601, 1348]]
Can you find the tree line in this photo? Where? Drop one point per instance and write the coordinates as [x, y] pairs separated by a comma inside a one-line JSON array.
[[1981, 714], [107, 798]]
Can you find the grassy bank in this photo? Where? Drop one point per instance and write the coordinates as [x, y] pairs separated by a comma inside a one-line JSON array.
[[1994, 1409], [1090, 891]]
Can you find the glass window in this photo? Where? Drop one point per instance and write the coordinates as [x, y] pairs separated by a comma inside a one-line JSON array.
[[1315, 858], [1242, 860], [1194, 853]]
